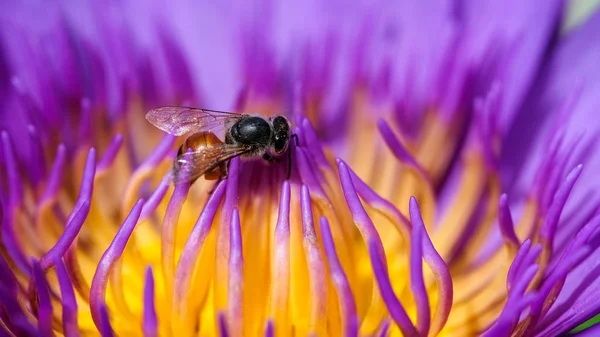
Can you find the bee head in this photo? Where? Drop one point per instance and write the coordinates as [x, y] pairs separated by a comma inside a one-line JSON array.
[[281, 133]]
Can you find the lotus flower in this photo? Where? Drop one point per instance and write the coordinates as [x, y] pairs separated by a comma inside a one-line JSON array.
[[442, 184]]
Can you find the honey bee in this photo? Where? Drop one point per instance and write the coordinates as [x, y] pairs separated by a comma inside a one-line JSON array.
[[204, 154]]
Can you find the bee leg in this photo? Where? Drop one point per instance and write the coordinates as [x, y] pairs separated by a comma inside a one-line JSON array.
[[222, 171], [289, 171], [221, 177], [270, 158], [225, 168]]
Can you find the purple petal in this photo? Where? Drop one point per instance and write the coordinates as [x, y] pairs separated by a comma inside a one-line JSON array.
[[509, 317], [307, 172], [193, 246], [149, 320], [517, 261], [548, 228], [417, 281], [15, 188], [231, 199], [159, 153], [506, 223], [87, 181], [110, 153], [269, 331], [16, 319], [223, 332], [376, 253], [384, 328], [169, 227], [65, 241], [340, 281], [10, 241], [69, 304], [56, 174], [105, 266], [85, 120], [398, 150], [145, 169], [104, 326], [531, 254], [155, 199], [571, 71], [313, 144], [431, 256], [179, 73], [577, 242], [37, 167], [280, 278], [44, 308], [236, 275], [224, 235], [387, 293], [316, 268], [579, 297], [361, 218], [551, 286], [489, 24]]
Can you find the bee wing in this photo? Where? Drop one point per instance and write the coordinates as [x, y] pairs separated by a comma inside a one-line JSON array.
[[191, 165], [179, 120]]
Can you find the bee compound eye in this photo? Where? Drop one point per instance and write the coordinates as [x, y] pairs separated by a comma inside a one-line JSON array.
[[280, 144]]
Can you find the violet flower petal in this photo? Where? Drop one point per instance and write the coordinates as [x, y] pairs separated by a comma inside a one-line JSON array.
[[107, 261], [69, 304], [110, 153], [340, 281], [316, 268], [44, 314], [104, 326], [488, 21], [193, 245], [149, 320], [376, 253], [65, 241], [417, 281], [236, 275], [56, 174]]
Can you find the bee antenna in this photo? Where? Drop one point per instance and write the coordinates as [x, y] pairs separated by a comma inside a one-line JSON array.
[[289, 173]]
